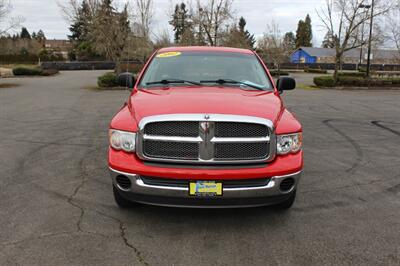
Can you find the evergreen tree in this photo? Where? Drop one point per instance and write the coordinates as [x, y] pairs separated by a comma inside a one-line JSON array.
[[308, 31], [80, 28], [289, 41], [250, 39], [40, 36], [25, 33], [180, 22], [304, 33], [328, 41]]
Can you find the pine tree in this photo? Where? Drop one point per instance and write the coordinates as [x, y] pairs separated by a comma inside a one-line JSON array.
[[25, 33], [304, 33], [40, 36], [251, 40], [289, 41], [308, 31], [80, 27], [180, 22], [328, 41]]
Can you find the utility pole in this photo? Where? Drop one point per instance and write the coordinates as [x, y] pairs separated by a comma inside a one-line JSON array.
[[366, 7], [370, 40]]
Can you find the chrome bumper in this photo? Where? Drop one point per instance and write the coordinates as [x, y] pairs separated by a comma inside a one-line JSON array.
[[159, 195]]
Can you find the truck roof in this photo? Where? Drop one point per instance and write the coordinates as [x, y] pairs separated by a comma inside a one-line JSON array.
[[204, 49]]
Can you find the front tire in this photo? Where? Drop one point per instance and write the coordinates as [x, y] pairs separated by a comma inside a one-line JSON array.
[[287, 204], [121, 201]]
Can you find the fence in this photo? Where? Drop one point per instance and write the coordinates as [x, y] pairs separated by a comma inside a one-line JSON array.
[[376, 67], [90, 65], [133, 65]]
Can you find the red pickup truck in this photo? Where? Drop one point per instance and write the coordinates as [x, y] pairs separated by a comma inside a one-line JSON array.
[[205, 127]]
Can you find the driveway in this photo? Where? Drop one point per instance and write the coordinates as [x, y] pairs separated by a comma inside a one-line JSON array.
[[57, 208]]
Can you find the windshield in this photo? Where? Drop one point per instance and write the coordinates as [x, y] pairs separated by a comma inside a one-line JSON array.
[[208, 68]]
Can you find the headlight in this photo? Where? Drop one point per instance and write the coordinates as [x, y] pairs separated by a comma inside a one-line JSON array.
[[289, 143], [122, 140]]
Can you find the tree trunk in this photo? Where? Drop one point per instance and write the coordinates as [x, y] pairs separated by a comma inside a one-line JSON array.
[[337, 67]]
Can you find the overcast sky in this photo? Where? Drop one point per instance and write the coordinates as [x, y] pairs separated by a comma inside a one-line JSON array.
[[46, 15]]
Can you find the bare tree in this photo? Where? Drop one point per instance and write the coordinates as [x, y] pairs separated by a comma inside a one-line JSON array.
[[7, 23], [393, 27], [211, 17], [272, 45], [342, 20], [162, 40], [143, 14]]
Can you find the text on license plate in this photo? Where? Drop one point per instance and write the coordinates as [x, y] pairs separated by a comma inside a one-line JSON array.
[[205, 188]]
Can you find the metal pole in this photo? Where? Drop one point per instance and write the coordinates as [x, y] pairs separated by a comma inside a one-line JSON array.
[[362, 43], [370, 40]]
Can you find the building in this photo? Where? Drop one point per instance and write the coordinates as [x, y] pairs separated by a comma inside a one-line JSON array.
[[311, 55], [59, 46]]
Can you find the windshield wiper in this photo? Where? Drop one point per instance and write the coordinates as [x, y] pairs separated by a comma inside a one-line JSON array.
[[170, 81], [231, 81]]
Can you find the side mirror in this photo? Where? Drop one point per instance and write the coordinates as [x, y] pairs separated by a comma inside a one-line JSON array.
[[286, 84], [126, 80]]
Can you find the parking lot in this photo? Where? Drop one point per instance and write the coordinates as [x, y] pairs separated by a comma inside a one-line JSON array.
[[56, 203]]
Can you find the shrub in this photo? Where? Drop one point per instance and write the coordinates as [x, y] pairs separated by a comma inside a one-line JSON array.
[[49, 72], [396, 82], [276, 73], [316, 71], [353, 74], [374, 82], [324, 81], [107, 80], [26, 71], [134, 68]]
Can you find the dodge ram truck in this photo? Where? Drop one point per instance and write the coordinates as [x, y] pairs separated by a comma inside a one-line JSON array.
[[205, 127]]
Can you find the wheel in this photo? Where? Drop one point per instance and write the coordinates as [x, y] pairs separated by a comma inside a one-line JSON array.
[[121, 201], [287, 204]]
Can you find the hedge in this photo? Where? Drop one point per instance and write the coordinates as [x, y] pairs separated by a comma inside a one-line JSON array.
[[107, 80], [30, 71], [324, 81], [26, 71], [276, 73], [353, 74], [328, 81], [49, 72], [364, 82], [316, 71]]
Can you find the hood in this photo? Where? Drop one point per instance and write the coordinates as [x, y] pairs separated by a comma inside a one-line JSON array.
[[205, 100]]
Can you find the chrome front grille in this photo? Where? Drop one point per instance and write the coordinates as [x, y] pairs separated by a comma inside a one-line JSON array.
[[206, 139]]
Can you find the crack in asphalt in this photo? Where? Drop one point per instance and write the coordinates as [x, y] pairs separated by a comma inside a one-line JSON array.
[[126, 242], [123, 229], [71, 199]]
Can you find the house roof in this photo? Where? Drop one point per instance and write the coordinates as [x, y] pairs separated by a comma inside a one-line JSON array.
[[355, 53]]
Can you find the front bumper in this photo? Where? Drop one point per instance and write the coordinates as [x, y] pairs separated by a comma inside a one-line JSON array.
[[170, 195]]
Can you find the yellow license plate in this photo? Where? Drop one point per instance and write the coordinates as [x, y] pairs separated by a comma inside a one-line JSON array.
[[205, 188]]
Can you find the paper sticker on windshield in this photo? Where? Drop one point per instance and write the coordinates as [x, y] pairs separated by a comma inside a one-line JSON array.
[[169, 54]]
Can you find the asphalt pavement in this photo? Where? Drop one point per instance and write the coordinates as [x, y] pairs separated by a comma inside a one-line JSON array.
[[57, 208]]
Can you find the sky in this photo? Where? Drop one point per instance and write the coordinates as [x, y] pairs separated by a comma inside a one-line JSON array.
[[46, 15]]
